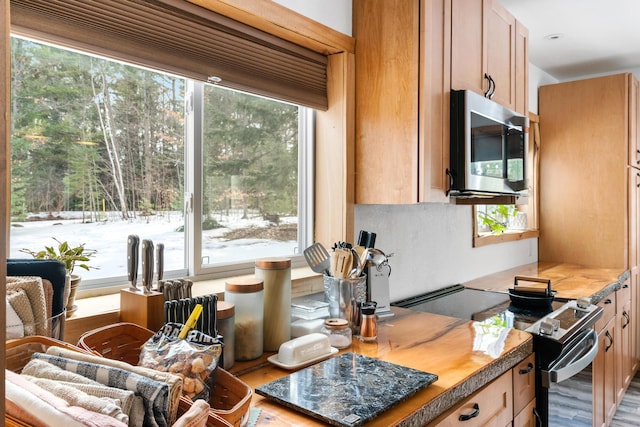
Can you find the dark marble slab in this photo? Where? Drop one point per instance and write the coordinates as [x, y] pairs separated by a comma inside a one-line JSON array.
[[347, 390]]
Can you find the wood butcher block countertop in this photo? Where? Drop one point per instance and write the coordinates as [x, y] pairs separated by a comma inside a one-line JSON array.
[[436, 344], [569, 280]]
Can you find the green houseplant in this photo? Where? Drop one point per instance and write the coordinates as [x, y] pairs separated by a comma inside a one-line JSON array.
[[497, 217], [71, 257]]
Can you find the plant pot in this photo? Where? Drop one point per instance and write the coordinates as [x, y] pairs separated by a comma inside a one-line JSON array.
[[73, 281]]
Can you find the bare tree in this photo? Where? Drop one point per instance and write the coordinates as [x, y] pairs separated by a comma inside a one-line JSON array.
[[102, 99]]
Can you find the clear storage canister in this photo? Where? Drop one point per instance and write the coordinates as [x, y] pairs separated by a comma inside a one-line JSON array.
[[247, 295], [338, 331], [276, 275], [225, 315]]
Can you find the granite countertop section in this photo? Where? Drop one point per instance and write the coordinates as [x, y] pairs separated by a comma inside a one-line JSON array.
[[569, 280], [429, 343]]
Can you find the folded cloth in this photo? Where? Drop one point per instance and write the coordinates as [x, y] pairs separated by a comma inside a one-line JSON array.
[[33, 287], [15, 327], [155, 394], [75, 397], [19, 300], [47, 288], [75, 413], [43, 369], [196, 416], [173, 381]]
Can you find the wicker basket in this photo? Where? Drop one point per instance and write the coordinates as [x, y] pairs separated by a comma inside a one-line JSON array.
[[230, 397]]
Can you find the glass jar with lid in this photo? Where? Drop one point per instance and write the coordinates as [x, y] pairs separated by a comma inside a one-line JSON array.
[[225, 318], [338, 331], [247, 295]]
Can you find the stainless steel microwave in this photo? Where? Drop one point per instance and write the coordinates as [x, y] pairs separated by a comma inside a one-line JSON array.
[[489, 146]]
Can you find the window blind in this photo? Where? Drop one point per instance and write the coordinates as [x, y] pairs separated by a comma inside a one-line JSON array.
[[179, 37]]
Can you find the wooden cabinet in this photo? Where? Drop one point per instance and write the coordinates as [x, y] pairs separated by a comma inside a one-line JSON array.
[[483, 51], [508, 399], [524, 393], [408, 52], [584, 179], [604, 382], [491, 405], [624, 338]]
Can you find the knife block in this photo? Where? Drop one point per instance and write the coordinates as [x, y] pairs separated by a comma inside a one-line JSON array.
[[144, 309]]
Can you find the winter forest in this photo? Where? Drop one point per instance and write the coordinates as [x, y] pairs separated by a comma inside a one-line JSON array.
[[108, 140]]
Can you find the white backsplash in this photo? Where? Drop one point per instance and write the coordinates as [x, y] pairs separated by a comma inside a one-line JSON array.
[[432, 246]]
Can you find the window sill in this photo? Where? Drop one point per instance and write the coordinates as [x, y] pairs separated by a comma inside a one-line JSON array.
[[507, 236], [95, 312]]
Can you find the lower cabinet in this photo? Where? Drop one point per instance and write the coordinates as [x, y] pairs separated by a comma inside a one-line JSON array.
[[524, 393], [503, 402], [604, 374]]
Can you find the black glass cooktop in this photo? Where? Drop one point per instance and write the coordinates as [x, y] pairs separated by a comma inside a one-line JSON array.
[[473, 304]]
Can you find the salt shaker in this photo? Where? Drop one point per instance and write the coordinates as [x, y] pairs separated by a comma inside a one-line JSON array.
[[338, 331], [369, 322]]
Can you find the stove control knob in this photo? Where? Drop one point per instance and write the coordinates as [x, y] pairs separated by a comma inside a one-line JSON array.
[[549, 326], [583, 302]]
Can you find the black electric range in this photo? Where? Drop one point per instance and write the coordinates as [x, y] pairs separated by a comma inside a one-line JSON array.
[[564, 340]]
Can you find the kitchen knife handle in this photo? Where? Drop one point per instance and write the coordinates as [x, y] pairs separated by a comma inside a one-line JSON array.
[[133, 244], [147, 264], [160, 261]]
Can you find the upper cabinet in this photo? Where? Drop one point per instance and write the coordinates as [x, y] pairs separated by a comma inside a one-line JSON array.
[[409, 54], [588, 191]]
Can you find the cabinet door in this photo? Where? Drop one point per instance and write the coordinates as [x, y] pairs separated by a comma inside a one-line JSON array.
[[623, 340], [468, 46], [500, 30], [522, 69], [634, 121], [387, 91], [527, 417], [524, 386]]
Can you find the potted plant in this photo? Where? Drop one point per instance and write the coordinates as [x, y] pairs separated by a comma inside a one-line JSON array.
[[497, 218], [71, 257]]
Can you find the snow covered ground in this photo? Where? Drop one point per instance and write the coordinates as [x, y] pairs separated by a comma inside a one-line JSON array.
[[109, 238]]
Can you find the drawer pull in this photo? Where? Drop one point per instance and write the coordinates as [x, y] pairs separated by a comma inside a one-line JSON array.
[[627, 318], [608, 301], [608, 335], [527, 370], [475, 413]]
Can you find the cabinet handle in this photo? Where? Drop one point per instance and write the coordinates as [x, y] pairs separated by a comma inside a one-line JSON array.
[[527, 370], [625, 286], [491, 86], [608, 335], [475, 413], [627, 318], [538, 417], [608, 301]]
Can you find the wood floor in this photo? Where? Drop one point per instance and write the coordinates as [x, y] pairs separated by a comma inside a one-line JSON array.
[[628, 413]]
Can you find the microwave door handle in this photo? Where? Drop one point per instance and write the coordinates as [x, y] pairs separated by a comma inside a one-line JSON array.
[[572, 367]]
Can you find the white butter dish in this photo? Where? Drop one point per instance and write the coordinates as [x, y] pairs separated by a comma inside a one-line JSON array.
[[302, 351]]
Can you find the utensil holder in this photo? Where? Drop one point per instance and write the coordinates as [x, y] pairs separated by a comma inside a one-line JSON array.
[[343, 296]]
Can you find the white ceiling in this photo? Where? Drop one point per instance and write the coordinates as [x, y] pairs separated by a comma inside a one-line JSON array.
[[598, 36]]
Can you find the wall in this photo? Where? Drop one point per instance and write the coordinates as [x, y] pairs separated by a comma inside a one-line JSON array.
[[332, 13]]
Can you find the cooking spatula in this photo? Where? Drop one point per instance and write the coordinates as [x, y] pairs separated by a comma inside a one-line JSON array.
[[318, 258]]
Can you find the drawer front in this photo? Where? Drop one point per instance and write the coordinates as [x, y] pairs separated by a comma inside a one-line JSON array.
[[491, 405], [609, 306], [524, 383]]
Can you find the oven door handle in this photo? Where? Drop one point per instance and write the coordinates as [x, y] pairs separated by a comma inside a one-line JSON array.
[[573, 361]]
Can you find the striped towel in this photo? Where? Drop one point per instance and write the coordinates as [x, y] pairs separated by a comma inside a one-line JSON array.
[[41, 369], [75, 397], [155, 394], [173, 381]]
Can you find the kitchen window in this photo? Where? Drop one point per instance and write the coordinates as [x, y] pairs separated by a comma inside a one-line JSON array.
[[102, 149], [497, 223]]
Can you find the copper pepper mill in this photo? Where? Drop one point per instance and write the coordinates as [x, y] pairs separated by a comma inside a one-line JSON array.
[[369, 322]]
